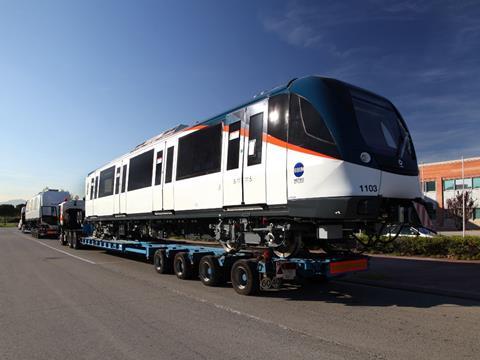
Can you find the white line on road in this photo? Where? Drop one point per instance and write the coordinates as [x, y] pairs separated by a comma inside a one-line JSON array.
[[58, 250]]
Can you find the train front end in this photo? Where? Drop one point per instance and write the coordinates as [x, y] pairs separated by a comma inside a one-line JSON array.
[[352, 161]]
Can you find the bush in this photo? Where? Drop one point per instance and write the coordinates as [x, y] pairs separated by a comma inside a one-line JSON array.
[[455, 247]]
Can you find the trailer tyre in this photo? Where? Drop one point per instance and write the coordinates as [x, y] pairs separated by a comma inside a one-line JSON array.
[[210, 271], [245, 277], [161, 262], [76, 243], [182, 266], [69, 239]]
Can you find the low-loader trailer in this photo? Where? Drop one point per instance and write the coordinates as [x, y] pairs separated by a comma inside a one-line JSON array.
[[248, 271]]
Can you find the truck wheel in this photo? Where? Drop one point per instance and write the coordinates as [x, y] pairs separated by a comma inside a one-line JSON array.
[[76, 243], [69, 239], [161, 262], [245, 277], [61, 237], [182, 266], [210, 271]]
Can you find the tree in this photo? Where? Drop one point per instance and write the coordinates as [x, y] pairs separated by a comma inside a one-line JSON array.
[[7, 210], [455, 207]]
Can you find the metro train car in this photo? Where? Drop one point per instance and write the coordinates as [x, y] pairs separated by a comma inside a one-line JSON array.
[[41, 213], [301, 166]]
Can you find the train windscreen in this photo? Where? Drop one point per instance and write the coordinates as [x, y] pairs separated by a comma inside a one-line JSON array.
[[381, 128]]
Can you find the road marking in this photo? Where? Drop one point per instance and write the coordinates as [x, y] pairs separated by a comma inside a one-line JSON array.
[[58, 250]]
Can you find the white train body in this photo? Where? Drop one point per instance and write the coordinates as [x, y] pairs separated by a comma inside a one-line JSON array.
[[44, 204], [254, 162]]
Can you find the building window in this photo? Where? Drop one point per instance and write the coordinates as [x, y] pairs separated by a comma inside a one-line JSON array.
[[140, 172], [106, 182], [200, 152], [476, 214], [476, 183], [448, 185], [463, 184], [429, 186]]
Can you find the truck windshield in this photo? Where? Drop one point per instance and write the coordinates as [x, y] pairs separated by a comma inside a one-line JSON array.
[[381, 128]]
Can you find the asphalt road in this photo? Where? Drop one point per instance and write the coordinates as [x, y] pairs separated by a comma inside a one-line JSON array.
[[58, 303]]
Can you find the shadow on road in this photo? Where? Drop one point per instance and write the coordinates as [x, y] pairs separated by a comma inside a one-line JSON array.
[[351, 294]]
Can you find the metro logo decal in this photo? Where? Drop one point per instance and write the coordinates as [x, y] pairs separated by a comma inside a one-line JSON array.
[[298, 169]]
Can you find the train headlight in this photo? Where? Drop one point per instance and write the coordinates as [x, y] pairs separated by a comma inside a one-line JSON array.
[[274, 116], [365, 157]]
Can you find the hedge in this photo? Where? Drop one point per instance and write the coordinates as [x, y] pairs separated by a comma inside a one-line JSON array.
[[454, 247]]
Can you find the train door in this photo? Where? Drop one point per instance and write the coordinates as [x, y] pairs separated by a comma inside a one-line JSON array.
[[254, 160], [157, 182], [169, 177], [233, 163], [122, 197], [116, 190]]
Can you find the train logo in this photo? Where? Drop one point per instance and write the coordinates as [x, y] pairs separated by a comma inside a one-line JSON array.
[[298, 169]]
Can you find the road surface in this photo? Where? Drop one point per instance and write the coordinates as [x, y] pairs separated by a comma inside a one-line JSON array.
[[58, 303]]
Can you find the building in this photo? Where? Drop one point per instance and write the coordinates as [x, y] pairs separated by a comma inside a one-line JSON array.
[[442, 180]]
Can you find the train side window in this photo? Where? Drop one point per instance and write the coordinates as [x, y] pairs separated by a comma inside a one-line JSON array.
[[169, 170], [106, 182], [255, 139], [96, 187], [278, 116], [200, 153], [91, 189], [158, 168], [140, 171], [307, 129], [117, 181], [233, 156], [124, 178], [313, 124]]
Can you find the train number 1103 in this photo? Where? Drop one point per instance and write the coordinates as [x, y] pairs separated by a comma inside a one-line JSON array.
[[368, 188]]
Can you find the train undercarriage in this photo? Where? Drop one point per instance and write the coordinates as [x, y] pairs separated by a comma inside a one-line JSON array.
[[286, 236]]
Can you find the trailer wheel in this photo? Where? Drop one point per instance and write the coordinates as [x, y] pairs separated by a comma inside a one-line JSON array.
[[245, 277], [210, 271], [161, 262], [182, 266]]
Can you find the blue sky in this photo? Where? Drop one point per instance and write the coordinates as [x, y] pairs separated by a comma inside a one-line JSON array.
[[82, 82]]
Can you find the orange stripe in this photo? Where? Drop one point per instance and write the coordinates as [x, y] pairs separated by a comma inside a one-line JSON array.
[[195, 128], [273, 140]]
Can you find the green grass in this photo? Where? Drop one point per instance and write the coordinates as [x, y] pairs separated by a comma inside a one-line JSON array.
[[7, 225]]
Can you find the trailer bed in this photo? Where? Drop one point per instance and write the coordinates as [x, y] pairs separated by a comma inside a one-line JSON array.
[[248, 271]]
